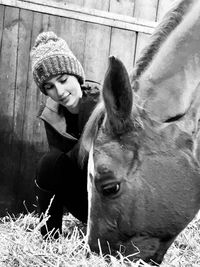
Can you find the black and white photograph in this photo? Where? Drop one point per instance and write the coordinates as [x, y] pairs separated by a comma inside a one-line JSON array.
[[99, 133]]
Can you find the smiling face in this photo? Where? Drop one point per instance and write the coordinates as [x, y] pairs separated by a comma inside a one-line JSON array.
[[65, 90]]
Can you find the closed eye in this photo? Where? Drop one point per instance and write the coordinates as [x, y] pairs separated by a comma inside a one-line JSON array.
[[63, 78]]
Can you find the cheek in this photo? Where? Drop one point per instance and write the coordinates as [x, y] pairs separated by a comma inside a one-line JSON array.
[[76, 90], [168, 176], [159, 170]]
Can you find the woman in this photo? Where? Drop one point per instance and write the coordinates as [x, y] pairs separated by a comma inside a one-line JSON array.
[[60, 179]]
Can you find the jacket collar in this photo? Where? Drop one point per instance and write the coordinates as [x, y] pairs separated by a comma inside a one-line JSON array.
[[52, 115]]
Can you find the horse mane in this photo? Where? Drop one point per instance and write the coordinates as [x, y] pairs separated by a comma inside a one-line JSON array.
[[170, 21]]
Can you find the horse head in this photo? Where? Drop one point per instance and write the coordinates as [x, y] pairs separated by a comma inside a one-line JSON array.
[[143, 168]]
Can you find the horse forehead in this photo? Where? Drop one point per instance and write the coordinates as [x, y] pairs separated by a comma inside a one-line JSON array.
[[161, 138], [115, 151]]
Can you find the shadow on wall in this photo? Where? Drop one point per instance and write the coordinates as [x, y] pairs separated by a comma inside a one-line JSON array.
[[18, 160]]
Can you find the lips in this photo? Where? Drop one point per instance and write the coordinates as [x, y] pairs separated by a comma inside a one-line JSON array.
[[65, 98]]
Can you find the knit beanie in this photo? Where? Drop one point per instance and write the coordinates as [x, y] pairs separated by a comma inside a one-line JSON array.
[[51, 56]]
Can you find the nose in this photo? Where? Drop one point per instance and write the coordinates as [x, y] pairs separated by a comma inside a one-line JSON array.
[[59, 89]]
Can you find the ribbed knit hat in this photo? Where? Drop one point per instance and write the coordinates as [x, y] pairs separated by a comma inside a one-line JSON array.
[[51, 56]]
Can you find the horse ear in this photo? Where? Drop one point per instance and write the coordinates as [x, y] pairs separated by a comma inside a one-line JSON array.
[[169, 83], [117, 95]]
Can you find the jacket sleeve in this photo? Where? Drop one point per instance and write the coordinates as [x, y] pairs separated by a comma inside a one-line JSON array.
[[56, 141]]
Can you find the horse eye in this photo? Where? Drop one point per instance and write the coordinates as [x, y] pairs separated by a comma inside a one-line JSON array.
[[110, 190]]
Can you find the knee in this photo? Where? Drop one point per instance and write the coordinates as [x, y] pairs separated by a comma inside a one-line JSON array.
[[45, 173]]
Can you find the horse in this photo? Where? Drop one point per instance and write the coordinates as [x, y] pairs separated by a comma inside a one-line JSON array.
[[143, 144]]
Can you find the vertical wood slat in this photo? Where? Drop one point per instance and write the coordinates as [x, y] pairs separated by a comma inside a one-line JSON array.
[[142, 41], [121, 42], [2, 11], [97, 42], [8, 62], [96, 51], [97, 4], [75, 2], [3, 157], [74, 35], [8, 59], [144, 9], [24, 37], [32, 127], [125, 7], [34, 139], [78, 31]]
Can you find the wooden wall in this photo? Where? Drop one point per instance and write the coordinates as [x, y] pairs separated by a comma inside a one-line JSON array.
[[94, 29]]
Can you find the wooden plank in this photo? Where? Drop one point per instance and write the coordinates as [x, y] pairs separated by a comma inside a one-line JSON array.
[[77, 37], [8, 58], [97, 4], [74, 36], [125, 7], [55, 24], [2, 10], [34, 97], [93, 71], [84, 14], [74, 2], [33, 129], [123, 41], [34, 137], [146, 9], [90, 72], [96, 51], [142, 41], [25, 26], [21, 181]]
